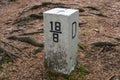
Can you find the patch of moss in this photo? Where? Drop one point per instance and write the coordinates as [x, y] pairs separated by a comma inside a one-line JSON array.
[[1, 69], [36, 51], [51, 75], [5, 60], [70, 77], [82, 71], [77, 74]]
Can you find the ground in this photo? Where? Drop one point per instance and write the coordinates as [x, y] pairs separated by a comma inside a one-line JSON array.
[[99, 22]]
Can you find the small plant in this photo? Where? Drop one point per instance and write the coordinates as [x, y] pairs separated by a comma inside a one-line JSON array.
[[78, 74], [1, 69], [4, 74], [82, 71], [51, 75], [36, 51], [5, 60]]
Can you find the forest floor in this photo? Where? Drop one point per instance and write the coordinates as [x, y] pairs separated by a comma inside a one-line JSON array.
[[99, 39]]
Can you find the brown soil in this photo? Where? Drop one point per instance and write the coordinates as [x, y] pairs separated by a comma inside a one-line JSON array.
[[101, 62]]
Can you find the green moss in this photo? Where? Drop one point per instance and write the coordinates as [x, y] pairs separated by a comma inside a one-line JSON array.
[[51, 75], [78, 74], [29, 17], [1, 69], [36, 51], [70, 77], [82, 71], [5, 60]]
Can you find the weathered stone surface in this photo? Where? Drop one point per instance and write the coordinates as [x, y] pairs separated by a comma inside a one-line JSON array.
[[61, 39]]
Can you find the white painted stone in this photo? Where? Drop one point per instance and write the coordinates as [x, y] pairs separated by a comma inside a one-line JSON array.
[[61, 39]]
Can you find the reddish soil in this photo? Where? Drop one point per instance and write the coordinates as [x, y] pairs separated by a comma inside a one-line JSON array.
[[102, 62]]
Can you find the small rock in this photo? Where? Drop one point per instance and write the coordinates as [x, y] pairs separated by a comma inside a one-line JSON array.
[[96, 30]]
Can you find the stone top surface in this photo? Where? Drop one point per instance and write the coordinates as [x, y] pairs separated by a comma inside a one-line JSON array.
[[61, 11]]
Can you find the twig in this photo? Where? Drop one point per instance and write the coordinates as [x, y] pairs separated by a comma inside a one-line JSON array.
[[62, 5], [28, 18], [11, 45], [102, 49], [27, 40], [99, 14], [92, 8], [31, 33], [8, 53], [36, 16], [84, 14], [82, 23], [100, 44], [6, 43], [24, 10], [114, 77], [44, 4], [16, 30], [114, 37], [35, 51]]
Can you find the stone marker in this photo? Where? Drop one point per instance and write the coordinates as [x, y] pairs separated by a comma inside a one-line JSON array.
[[61, 39]]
